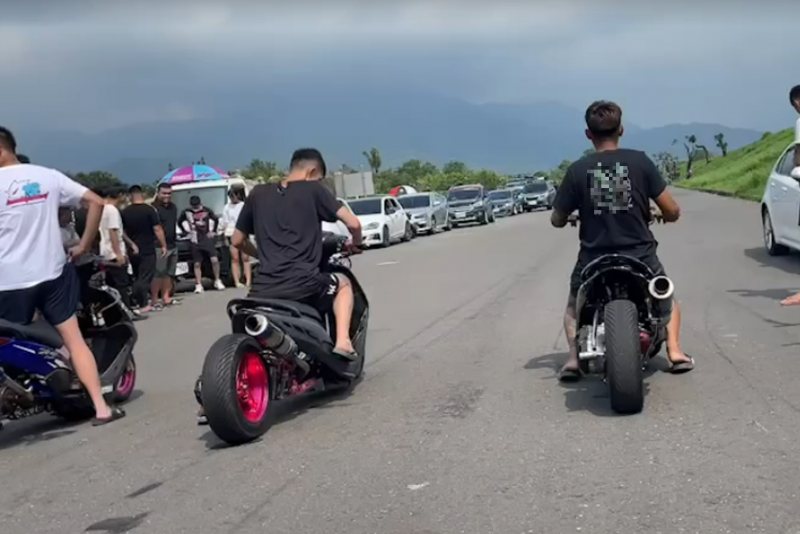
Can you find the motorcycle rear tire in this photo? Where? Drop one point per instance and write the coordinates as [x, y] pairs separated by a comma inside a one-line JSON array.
[[219, 393], [623, 357]]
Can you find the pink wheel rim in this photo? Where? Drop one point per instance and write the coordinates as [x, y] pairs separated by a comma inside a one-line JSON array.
[[252, 387], [127, 380]]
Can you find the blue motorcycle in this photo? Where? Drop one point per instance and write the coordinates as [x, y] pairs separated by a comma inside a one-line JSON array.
[[35, 375]]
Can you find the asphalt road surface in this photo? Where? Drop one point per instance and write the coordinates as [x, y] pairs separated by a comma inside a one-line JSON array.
[[460, 425]]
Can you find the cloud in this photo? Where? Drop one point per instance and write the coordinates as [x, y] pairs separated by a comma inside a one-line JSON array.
[[97, 64]]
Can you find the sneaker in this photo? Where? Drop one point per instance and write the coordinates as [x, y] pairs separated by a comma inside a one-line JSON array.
[[198, 288], [218, 285], [240, 285]]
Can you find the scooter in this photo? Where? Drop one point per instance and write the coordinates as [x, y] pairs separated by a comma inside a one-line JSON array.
[[35, 375], [278, 349]]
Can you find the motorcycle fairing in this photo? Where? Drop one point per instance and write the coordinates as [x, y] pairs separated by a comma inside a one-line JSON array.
[[610, 263]]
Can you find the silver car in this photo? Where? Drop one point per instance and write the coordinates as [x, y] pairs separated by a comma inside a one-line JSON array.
[[428, 211]]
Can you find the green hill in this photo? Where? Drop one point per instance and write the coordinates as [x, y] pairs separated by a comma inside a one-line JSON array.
[[742, 173]]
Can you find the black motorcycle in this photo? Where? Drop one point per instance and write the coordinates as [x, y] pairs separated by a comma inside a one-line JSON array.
[[622, 312], [278, 349]]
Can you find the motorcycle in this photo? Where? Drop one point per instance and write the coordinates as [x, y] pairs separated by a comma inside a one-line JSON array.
[[622, 311], [35, 376], [278, 349]]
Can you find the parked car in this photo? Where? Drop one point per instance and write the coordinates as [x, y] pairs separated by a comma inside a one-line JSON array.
[[503, 202], [539, 194], [383, 220], [428, 211], [780, 207], [469, 203], [338, 227]]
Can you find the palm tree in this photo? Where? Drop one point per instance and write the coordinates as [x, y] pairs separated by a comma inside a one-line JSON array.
[[373, 158]]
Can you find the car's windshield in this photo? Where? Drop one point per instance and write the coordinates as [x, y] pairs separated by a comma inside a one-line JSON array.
[[536, 187], [367, 206], [414, 201], [213, 198], [499, 195], [463, 194]]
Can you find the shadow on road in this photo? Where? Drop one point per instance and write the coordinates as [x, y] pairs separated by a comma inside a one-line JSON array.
[[789, 264], [293, 407], [774, 294], [589, 394]]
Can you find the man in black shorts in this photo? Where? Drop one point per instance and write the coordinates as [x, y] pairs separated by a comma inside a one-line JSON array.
[[142, 231], [201, 224], [614, 221], [166, 265], [286, 219]]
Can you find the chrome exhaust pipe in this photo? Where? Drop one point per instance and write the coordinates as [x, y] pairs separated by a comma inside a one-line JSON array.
[[273, 338], [255, 325], [661, 288]]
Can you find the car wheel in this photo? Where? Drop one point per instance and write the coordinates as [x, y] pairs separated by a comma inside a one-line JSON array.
[[448, 225], [385, 239], [773, 248], [409, 233]]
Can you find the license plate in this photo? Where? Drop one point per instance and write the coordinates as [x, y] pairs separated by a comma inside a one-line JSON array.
[[182, 268], [460, 215]]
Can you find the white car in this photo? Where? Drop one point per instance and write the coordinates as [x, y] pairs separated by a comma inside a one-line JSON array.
[[338, 227], [780, 206], [383, 220]]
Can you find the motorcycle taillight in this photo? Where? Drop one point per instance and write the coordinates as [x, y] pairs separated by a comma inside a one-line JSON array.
[[4, 341], [644, 340]]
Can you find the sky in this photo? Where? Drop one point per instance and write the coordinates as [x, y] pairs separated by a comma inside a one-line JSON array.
[[98, 65]]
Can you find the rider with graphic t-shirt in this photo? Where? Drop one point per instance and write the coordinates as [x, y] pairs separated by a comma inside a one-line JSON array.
[[611, 189], [35, 272]]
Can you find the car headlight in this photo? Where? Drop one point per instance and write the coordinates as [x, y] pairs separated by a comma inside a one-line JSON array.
[[478, 204], [508, 204], [372, 226]]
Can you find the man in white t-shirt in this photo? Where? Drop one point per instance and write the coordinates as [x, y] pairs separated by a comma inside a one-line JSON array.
[[794, 98], [35, 273], [112, 246]]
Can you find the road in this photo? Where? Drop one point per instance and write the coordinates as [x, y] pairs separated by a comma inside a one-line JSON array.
[[460, 425]]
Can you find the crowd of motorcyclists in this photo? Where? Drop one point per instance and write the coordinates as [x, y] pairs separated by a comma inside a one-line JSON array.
[[40, 238]]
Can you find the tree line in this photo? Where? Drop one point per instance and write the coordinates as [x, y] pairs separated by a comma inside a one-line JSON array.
[[427, 176]]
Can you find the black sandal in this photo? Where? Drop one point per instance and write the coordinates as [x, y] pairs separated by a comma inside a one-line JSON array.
[[569, 375], [345, 355], [682, 367], [116, 413]]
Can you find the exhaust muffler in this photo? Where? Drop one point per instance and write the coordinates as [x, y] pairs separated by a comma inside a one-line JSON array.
[[273, 338], [661, 289]]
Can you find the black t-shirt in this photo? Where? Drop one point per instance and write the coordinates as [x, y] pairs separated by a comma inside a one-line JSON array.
[[612, 191], [168, 215], [287, 224], [203, 220], [138, 221]]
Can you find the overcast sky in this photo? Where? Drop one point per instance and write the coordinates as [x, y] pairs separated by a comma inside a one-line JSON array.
[[92, 65]]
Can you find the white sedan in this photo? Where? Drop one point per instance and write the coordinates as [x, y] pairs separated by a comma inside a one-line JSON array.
[[383, 220], [780, 206]]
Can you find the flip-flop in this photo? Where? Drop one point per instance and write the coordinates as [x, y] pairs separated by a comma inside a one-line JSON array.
[[682, 367], [569, 375], [173, 302], [791, 301], [350, 356], [116, 413]]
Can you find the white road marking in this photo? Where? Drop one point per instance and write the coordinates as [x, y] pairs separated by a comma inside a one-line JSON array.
[[387, 263]]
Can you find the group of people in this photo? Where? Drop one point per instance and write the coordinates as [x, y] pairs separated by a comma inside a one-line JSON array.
[[139, 242]]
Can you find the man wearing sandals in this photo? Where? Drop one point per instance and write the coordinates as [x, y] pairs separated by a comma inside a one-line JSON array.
[[35, 273], [615, 219], [794, 99]]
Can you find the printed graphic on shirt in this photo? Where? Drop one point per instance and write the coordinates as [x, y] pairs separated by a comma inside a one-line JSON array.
[[610, 189], [25, 192]]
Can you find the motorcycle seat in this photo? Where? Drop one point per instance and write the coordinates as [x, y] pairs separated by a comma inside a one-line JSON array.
[[39, 331], [297, 309]]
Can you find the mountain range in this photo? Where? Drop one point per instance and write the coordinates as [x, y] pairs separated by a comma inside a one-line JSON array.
[[343, 122]]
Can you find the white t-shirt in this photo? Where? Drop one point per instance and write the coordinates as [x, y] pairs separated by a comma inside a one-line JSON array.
[[31, 251], [110, 220], [230, 214]]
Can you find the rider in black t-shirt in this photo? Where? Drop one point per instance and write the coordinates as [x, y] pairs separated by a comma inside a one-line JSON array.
[[286, 219], [611, 189]]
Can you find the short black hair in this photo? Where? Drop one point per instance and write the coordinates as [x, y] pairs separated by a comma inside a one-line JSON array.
[[194, 200], [7, 139], [308, 155], [114, 191], [603, 118], [794, 94], [164, 185], [22, 158], [135, 190]]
